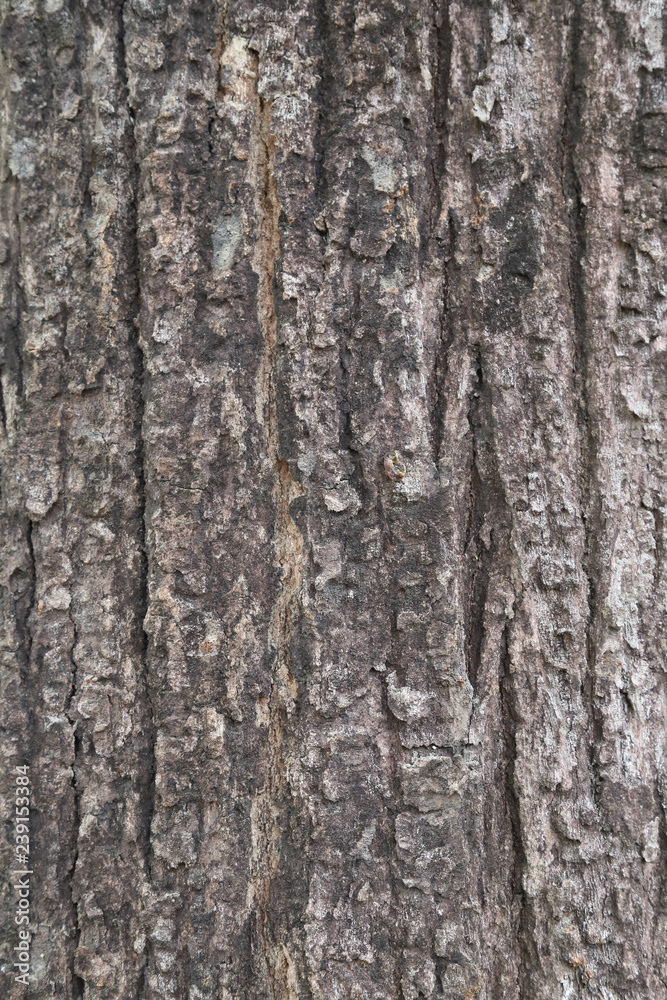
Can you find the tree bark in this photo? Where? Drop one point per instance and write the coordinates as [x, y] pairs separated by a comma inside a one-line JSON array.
[[333, 498]]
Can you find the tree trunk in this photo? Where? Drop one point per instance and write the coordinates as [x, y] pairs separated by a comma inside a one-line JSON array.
[[334, 498]]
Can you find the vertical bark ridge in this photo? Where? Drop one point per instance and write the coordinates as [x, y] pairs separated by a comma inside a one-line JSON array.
[[73, 473], [617, 160], [519, 318], [209, 339], [465, 944]]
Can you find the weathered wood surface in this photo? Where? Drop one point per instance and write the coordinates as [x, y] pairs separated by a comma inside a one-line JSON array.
[[299, 728]]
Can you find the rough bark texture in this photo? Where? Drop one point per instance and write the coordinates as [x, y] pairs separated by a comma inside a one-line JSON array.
[[300, 727]]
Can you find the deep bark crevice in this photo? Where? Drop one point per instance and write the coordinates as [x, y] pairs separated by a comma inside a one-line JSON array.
[[139, 396], [445, 339], [659, 518], [62, 510], [3, 408], [269, 242], [484, 506], [13, 348], [77, 982], [25, 627], [147, 771], [287, 540], [396, 805], [591, 513], [441, 73], [661, 903], [509, 730], [78, 985]]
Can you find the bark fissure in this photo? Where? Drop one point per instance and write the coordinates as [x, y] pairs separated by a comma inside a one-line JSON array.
[[287, 540], [394, 807], [483, 491], [659, 520], [13, 347], [219, 48], [3, 410], [396, 804], [70, 714], [441, 75], [25, 626], [78, 984], [147, 775], [590, 508], [443, 346], [139, 375], [62, 509], [508, 716], [446, 240]]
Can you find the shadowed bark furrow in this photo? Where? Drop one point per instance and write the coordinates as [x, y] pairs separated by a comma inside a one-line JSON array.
[[440, 225], [519, 864], [146, 776], [572, 136]]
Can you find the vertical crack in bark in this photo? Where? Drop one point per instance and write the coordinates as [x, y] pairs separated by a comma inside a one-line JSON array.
[[70, 714], [326, 102], [216, 54], [287, 540], [508, 716], [23, 594], [571, 134], [78, 985], [148, 766], [70, 707], [397, 804], [86, 132], [3, 409], [659, 521], [441, 73], [445, 338], [12, 358], [441, 70], [488, 548], [219, 49], [12, 362], [483, 491], [660, 796]]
